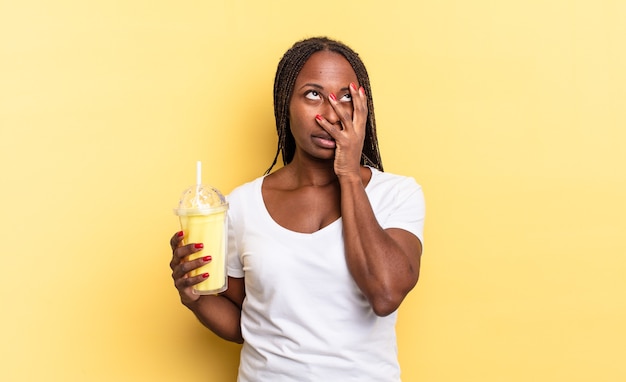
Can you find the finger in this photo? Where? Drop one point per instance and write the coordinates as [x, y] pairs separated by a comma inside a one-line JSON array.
[[343, 113], [187, 282], [176, 239], [184, 267], [180, 253], [330, 128], [359, 102]]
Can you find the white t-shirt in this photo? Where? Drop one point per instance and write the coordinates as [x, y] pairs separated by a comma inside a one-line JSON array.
[[304, 318]]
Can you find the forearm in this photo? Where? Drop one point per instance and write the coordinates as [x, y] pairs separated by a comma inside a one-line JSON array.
[[382, 264], [221, 315]]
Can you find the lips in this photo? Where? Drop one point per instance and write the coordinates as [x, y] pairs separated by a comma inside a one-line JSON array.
[[324, 140], [324, 136]]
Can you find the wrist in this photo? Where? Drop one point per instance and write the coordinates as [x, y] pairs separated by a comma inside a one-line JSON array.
[[191, 304], [350, 179]]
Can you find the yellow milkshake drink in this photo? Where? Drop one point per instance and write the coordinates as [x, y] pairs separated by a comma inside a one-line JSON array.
[[202, 211]]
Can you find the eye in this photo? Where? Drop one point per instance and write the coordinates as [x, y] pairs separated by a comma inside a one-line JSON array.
[[346, 98], [312, 95]]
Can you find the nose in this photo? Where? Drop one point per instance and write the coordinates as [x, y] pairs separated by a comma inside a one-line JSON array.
[[329, 113]]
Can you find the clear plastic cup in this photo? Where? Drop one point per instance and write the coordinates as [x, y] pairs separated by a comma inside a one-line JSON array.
[[202, 211]]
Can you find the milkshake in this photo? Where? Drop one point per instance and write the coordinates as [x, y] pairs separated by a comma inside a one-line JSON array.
[[202, 212]]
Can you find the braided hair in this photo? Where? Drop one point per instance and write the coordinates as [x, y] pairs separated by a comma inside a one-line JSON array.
[[288, 69]]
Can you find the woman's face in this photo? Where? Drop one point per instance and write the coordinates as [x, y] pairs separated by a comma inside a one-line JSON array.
[[324, 73]]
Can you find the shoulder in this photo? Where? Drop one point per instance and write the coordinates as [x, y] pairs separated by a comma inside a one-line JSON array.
[[244, 197], [387, 182], [244, 200], [398, 202], [388, 190], [243, 192]]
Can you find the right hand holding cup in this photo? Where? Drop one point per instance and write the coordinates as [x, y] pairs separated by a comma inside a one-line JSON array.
[[181, 267]]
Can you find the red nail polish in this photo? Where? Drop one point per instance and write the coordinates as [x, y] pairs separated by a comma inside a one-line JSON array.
[[198, 245], [361, 90], [180, 234], [353, 86], [318, 117], [205, 275], [206, 258], [332, 96]]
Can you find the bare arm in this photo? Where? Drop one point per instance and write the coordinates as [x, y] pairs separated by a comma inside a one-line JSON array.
[[384, 263], [220, 313]]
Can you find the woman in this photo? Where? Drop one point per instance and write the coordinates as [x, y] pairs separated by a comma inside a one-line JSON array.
[[322, 251]]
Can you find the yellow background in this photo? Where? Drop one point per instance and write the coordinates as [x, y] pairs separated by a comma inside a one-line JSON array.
[[511, 114]]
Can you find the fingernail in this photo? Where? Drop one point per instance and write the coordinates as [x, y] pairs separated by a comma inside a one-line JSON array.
[[180, 234], [205, 275], [318, 117], [332, 96], [206, 258], [353, 86], [361, 90], [198, 245]]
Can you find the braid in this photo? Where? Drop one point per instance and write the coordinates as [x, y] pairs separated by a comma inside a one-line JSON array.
[[288, 69]]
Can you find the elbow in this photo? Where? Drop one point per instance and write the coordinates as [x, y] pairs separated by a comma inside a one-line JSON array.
[[385, 302], [383, 309], [232, 337]]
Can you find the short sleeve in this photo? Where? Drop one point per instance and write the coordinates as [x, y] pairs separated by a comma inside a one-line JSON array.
[[234, 265], [408, 210]]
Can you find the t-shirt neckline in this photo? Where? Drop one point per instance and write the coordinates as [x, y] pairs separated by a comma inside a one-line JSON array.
[[328, 228]]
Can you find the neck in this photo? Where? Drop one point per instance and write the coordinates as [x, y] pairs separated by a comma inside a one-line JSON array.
[[312, 173]]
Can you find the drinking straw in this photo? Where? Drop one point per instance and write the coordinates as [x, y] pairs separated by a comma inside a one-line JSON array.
[[199, 173], [196, 197]]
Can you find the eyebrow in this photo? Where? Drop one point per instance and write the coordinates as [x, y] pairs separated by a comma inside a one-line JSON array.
[[320, 87], [314, 85]]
